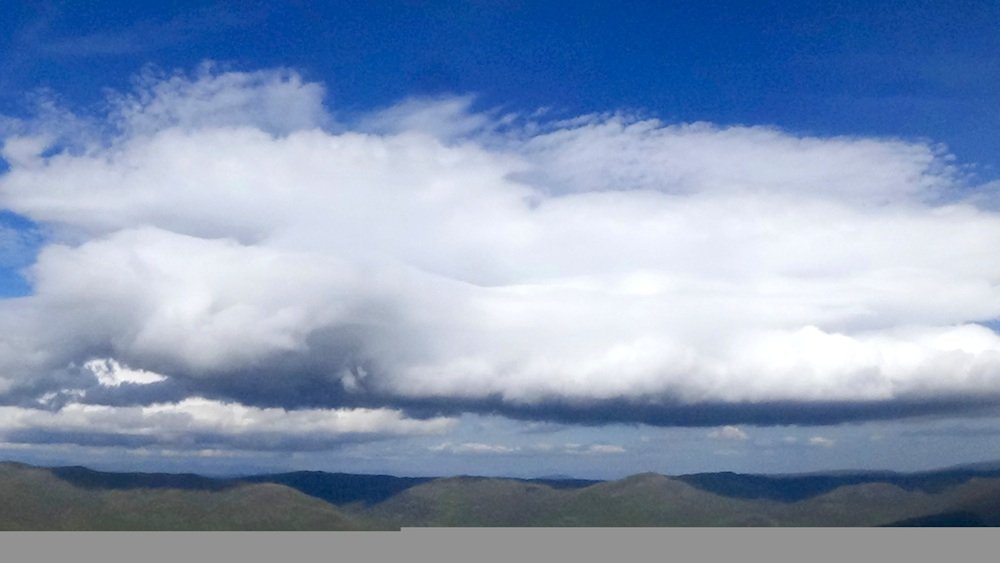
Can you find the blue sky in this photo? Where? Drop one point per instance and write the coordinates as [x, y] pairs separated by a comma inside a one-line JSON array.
[[910, 69], [500, 237]]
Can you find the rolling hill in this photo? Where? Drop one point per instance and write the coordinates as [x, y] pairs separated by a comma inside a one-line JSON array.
[[34, 498], [77, 498]]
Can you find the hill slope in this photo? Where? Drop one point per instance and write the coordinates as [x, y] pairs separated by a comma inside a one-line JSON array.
[[791, 488], [656, 500], [76, 498], [37, 499]]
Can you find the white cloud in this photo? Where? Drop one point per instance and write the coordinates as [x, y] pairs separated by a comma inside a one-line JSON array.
[[220, 422], [728, 433], [822, 442], [227, 228], [605, 449], [23, 150], [276, 101], [472, 448], [597, 153], [581, 449], [444, 118], [110, 373]]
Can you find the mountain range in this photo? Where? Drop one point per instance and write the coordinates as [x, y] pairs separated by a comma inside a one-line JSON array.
[[78, 498]]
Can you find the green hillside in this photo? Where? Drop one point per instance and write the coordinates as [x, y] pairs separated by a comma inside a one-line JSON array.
[[35, 499], [655, 500], [76, 498]]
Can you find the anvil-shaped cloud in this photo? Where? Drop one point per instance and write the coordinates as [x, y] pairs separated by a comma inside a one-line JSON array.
[[227, 231]]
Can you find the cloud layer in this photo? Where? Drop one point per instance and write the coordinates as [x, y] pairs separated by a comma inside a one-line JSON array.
[[201, 423], [228, 232]]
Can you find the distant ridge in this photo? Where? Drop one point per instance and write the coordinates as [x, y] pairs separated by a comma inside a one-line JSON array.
[[792, 488], [91, 479], [79, 498], [342, 488], [33, 498], [346, 488], [335, 488]]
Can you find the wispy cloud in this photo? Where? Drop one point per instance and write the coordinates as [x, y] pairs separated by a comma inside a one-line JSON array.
[[578, 449], [44, 38], [821, 441], [473, 448], [728, 433], [603, 449]]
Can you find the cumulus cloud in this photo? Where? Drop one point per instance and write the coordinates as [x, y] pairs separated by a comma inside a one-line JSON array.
[[229, 235]]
